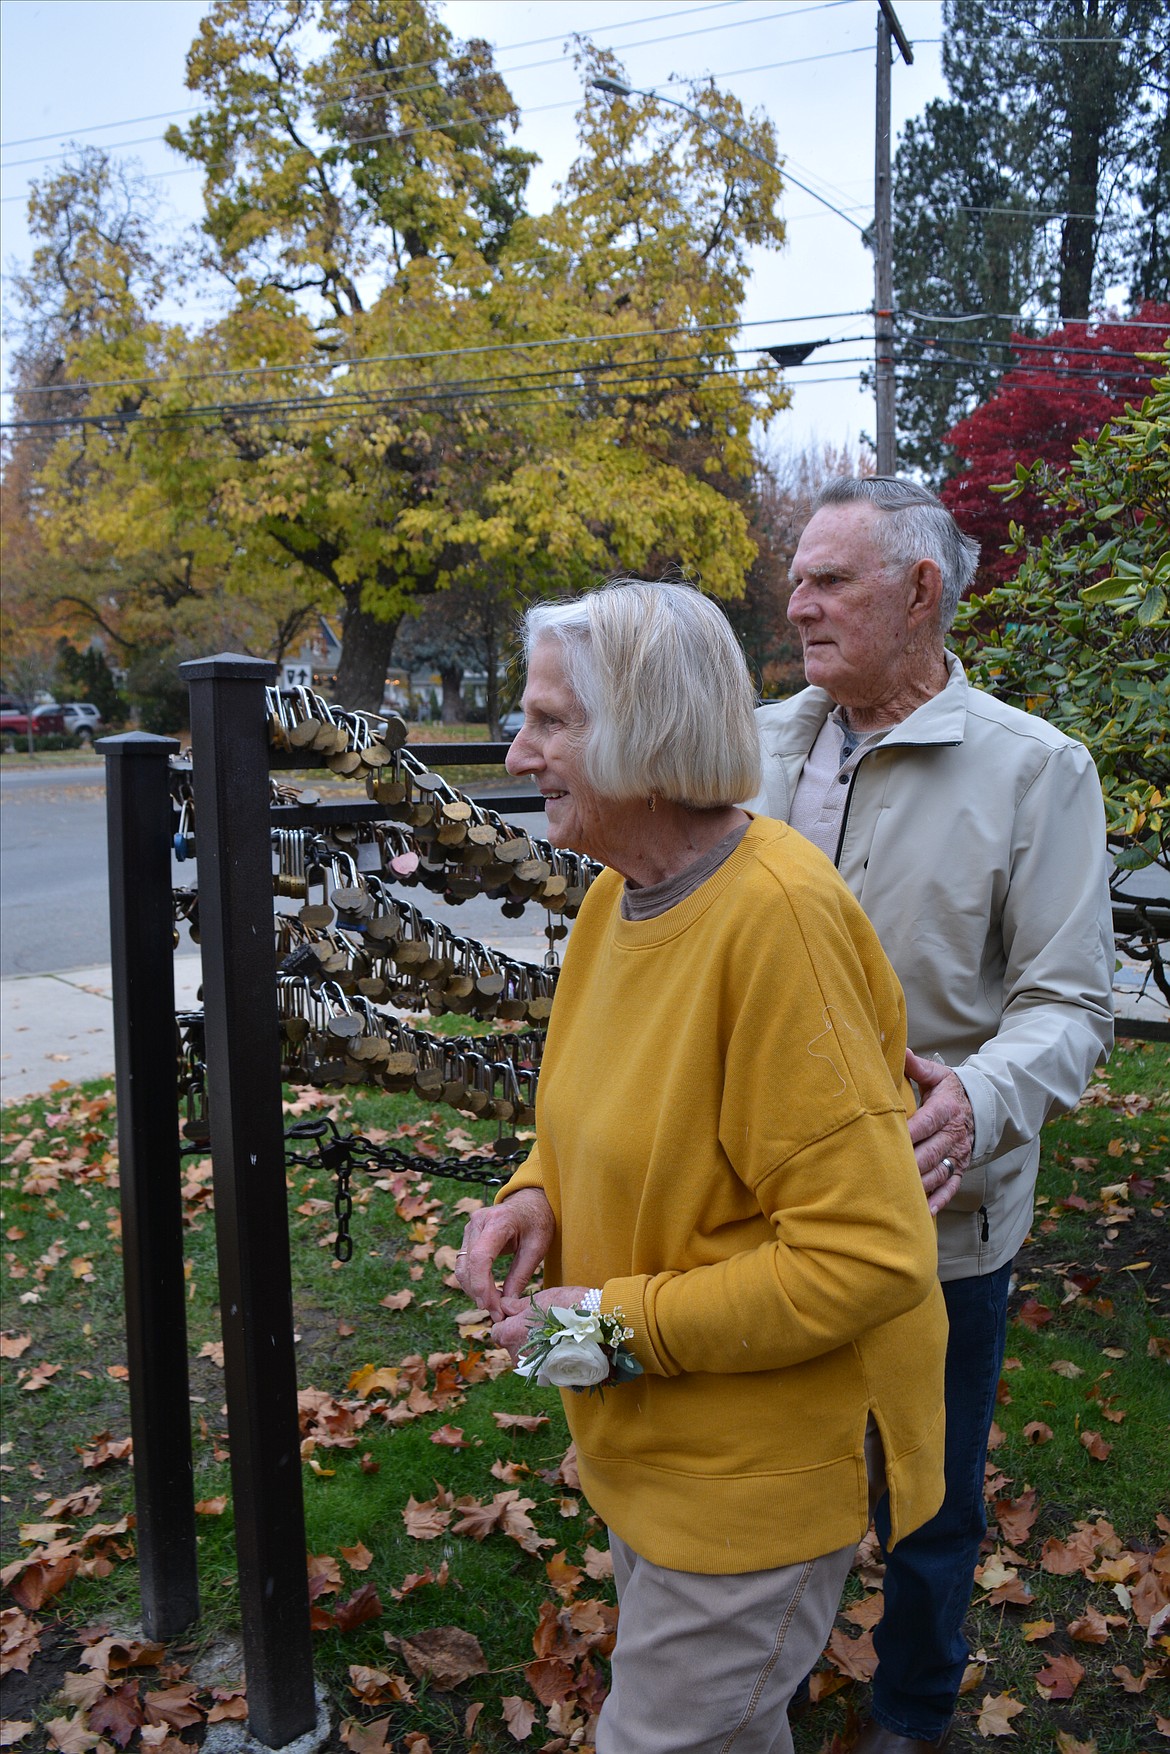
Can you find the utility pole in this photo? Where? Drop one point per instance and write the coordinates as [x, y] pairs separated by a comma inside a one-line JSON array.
[[883, 259]]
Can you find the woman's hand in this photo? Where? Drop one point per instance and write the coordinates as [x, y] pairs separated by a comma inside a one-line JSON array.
[[511, 1330], [522, 1226]]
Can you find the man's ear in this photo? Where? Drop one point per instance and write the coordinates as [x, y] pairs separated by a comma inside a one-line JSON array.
[[925, 593]]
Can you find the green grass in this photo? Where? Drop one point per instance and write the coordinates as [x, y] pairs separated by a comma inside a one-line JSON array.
[[1108, 1323]]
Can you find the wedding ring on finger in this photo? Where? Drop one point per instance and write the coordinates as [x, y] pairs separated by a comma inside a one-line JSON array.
[[948, 1166]]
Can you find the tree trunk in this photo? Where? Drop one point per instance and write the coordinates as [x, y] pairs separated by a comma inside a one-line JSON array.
[[493, 679], [1078, 232], [451, 676], [366, 647]]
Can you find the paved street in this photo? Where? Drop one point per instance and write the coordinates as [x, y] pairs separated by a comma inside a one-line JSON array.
[[55, 1009]]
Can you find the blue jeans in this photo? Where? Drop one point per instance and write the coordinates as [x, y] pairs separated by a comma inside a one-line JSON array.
[[919, 1641]]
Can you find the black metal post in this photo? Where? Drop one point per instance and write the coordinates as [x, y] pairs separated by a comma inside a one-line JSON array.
[[138, 814], [229, 740]]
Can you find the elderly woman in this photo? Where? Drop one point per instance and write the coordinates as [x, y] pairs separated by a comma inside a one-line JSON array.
[[722, 1157]]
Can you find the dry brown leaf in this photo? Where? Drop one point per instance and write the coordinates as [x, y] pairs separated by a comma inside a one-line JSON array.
[[211, 1506], [1015, 1516], [14, 1730], [450, 1435], [996, 1714], [1037, 1629], [565, 1578], [71, 1735], [823, 1683], [366, 1738], [41, 1579], [358, 1558], [1066, 1368], [520, 1421], [1090, 1628], [854, 1657], [867, 1612], [363, 1605], [20, 1640], [174, 1706], [1067, 1743], [427, 1521], [397, 1299], [1035, 1431], [1060, 1679], [519, 1715], [117, 1713], [598, 1563], [444, 1655], [12, 1345], [1096, 1445]]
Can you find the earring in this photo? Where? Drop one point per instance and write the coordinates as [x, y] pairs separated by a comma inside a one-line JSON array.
[[651, 803]]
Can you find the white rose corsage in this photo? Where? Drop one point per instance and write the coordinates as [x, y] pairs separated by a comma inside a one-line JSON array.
[[578, 1349]]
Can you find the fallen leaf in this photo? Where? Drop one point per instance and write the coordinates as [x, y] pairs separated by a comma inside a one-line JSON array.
[[598, 1563], [40, 1579], [39, 1377], [118, 1713], [450, 1435], [363, 1605], [1015, 1516], [520, 1421], [358, 1558], [397, 1300], [425, 1522], [1035, 1431], [1067, 1743], [378, 1686], [174, 1706], [1036, 1629], [211, 1506], [565, 1578], [519, 1715], [996, 1714], [1065, 1367], [1034, 1315], [1096, 1445], [71, 1735], [854, 1657], [1133, 1683], [445, 1655], [12, 1345], [1090, 1628], [1060, 1679], [366, 1738], [14, 1730]]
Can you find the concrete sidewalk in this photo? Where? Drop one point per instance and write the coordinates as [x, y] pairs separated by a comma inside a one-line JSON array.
[[61, 1026]]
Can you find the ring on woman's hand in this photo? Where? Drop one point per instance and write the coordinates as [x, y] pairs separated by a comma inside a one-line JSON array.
[[947, 1165]]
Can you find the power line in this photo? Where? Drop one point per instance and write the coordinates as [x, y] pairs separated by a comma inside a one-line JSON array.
[[513, 346], [407, 67], [501, 72], [1019, 317]]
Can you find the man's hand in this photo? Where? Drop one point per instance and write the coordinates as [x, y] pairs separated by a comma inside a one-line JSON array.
[[522, 1226], [519, 1316], [942, 1131]]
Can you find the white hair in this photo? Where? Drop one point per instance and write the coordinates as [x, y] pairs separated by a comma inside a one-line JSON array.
[[665, 691], [914, 526]]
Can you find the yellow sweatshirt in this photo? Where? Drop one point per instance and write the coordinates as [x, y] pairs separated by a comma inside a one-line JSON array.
[[721, 1133]]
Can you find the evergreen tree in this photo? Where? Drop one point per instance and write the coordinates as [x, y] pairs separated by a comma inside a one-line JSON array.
[[1039, 184]]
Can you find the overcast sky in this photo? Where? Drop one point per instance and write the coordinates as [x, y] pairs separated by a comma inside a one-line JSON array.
[[111, 72]]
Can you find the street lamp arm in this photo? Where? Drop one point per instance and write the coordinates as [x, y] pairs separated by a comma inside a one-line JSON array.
[[617, 88]]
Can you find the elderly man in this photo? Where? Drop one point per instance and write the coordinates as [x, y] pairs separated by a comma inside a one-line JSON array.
[[974, 837]]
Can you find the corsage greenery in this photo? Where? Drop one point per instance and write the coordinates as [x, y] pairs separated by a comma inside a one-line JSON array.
[[578, 1349]]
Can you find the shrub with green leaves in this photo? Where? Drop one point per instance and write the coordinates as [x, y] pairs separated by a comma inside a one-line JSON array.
[[1082, 633]]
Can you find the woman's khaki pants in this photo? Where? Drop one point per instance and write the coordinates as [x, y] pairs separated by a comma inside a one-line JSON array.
[[707, 1665]]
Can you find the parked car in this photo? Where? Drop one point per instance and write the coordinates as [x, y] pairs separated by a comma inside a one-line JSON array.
[[47, 721], [82, 716], [510, 724]]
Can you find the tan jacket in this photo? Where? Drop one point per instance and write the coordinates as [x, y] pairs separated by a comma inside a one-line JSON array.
[[974, 838]]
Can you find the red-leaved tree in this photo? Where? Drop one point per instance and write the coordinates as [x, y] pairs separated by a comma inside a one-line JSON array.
[[1067, 385]]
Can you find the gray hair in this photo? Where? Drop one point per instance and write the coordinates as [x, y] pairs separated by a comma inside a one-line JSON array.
[[916, 526], [665, 690]]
